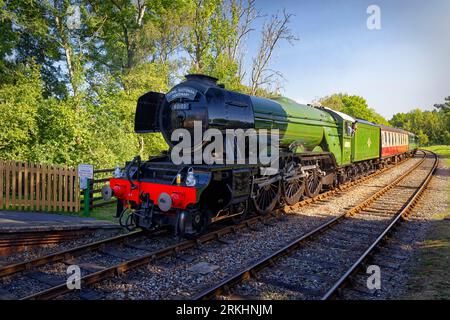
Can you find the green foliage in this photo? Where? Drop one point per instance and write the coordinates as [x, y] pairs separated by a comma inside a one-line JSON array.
[[432, 127], [213, 40], [354, 106], [444, 106], [28, 31], [68, 95], [19, 102], [73, 130], [423, 138]]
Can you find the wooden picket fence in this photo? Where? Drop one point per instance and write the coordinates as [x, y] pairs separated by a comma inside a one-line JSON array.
[[38, 187]]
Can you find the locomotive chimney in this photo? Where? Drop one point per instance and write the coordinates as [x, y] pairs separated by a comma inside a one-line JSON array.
[[201, 78]]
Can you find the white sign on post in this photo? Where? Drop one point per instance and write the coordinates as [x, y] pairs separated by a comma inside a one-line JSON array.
[[85, 172]]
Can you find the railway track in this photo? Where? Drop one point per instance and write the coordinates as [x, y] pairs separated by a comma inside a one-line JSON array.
[[321, 262], [144, 253], [147, 255], [12, 242]]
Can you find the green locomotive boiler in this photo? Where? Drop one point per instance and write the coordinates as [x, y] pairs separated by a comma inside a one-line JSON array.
[[319, 149]]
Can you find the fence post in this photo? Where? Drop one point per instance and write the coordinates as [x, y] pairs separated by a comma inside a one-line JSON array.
[[87, 196]]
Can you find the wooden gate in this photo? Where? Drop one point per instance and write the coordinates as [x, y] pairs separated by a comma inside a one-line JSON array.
[[38, 187]]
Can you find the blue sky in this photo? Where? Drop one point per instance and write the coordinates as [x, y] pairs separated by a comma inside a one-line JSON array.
[[403, 66]]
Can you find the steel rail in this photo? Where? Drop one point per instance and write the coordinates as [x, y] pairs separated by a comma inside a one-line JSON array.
[[120, 268], [61, 255], [225, 285], [12, 242], [341, 188], [406, 209]]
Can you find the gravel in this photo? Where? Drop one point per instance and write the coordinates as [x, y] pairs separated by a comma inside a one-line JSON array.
[[399, 256], [172, 278], [40, 251], [21, 284], [309, 270]]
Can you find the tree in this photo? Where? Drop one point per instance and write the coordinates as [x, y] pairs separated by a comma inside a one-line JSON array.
[[243, 16], [198, 44], [274, 31], [354, 106], [171, 22], [26, 34], [444, 106], [333, 101], [433, 126], [423, 138], [19, 102], [72, 70]]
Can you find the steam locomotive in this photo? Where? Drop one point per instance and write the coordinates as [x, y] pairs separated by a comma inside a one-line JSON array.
[[317, 149]]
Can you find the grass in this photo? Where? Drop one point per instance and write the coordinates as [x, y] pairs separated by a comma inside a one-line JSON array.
[[431, 276], [103, 213], [443, 151], [444, 154], [431, 279]]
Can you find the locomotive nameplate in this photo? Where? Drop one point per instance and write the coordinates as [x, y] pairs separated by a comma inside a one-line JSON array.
[[182, 92]]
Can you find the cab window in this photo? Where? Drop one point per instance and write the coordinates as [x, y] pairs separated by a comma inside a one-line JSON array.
[[348, 128]]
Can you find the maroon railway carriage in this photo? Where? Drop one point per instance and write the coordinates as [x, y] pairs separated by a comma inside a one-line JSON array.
[[393, 141]]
